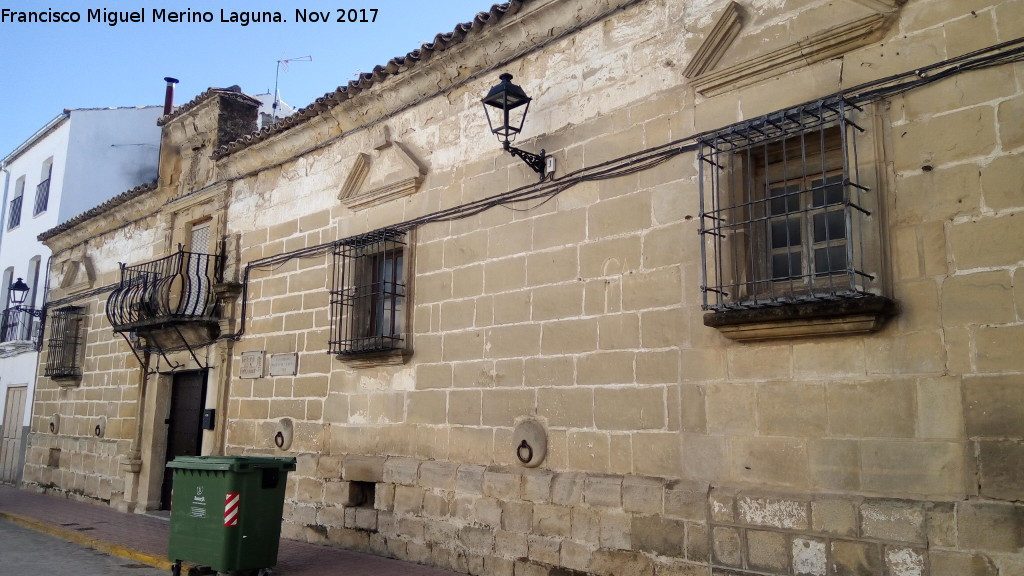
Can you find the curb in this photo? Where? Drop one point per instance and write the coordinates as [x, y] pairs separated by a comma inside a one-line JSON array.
[[111, 548]]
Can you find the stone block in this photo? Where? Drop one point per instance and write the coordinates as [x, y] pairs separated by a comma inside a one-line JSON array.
[[510, 544], [990, 526], [961, 294], [537, 486], [727, 546], [693, 411], [569, 337], [439, 475], [517, 517], [856, 559], [605, 368], [939, 194], [940, 408], [658, 289], [426, 407], [502, 407], [1011, 134], [567, 488], [616, 530], [768, 551], [469, 479], [948, 563], [586, 526], [997, 348], [926, 141], [731, 408], [544, 549], [772, 511], [834, 516], [918, 467], [502, 484], [642, 495], [363, 468], [588, 451], [1001, 469], [698, 542], [902, 561], [575, 556], [477, 540], [991, 406], [408, 500], [791, 409], [986, 242], [603, 491], [775, 461], [1001, 184], [809, 557], [619, 562], [658, 535], [872, 409], [401, 471], [552, 520], [687, 500], [655, 454], [893, 520]]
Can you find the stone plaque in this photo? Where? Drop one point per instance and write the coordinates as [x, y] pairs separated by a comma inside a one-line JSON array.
[[284, 364], [251, 365]]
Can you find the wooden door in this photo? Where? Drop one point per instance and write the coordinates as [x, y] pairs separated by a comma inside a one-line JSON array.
[[10, 441], [184, 424]]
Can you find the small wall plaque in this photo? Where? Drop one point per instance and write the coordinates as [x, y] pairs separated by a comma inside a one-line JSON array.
[[251, 365], [284, 364]]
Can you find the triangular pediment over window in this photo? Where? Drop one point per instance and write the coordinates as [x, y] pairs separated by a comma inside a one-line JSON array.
[[387, 172]]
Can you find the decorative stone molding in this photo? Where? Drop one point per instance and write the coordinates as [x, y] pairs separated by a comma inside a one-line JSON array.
[[718, 40], [853, 316], [77, 275], [815, 48], [881, 6], [387, 173]]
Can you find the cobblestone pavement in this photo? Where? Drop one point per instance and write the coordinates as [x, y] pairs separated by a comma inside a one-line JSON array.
[[142, 539]]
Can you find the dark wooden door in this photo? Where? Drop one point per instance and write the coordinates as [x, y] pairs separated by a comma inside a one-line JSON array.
[[184, 424]]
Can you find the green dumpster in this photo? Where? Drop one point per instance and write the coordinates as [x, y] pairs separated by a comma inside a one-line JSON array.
[[226, 511]]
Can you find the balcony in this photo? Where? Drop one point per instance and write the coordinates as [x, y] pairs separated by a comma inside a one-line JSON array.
[[19, 325], [42, 197], [169, 298]]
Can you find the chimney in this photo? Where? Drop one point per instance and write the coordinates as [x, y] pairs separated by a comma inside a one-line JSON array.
[[169, 95]]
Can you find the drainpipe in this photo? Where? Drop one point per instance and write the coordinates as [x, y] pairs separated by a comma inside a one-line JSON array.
[[3, 210]]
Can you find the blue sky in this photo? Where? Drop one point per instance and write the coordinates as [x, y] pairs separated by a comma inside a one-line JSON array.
[[48, 67]]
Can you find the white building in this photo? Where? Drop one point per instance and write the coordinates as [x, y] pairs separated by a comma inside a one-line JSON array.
[[75, 162]]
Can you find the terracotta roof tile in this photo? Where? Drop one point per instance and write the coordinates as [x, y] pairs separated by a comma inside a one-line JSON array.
[[393, 67], [93, 212]]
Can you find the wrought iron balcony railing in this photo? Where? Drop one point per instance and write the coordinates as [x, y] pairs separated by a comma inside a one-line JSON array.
[[19, 325], [174, 290], [42, 196], [15, 217]]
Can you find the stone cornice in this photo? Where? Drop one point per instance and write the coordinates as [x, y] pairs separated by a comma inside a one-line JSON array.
[[718, 40]]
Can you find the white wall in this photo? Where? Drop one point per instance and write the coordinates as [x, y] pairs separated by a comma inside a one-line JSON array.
[[109, 151]]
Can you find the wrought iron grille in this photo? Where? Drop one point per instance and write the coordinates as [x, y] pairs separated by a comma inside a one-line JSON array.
[[15, 217], [782, 209], [63, 352], [19, 324], [172, 289], [42, 196], [368, 293]]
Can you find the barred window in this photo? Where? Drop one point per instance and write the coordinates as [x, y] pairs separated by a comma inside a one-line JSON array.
[[368, 293], [62, 361], [786, 216]]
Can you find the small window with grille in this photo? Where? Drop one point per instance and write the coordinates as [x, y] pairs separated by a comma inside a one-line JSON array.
[[63, 347], [787, 215], [368, 310]]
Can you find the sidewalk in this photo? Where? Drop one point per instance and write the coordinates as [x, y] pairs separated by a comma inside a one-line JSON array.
[[143, 538]]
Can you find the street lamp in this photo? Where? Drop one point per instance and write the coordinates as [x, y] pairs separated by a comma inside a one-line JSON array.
[[18, 290], [509, 105]]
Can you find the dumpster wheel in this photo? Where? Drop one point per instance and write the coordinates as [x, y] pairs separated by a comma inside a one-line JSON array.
[[176, 568]]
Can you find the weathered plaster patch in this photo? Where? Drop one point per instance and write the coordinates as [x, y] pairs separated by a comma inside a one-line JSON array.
[[769, 512], [808, 557]]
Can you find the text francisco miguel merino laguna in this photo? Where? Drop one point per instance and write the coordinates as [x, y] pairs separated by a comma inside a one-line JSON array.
[[113, 18]]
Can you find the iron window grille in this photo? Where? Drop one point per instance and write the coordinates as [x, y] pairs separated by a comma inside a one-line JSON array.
[[368, 293], [19, 325], [15, 219], [42, 196], [783, 213], [62, 360]]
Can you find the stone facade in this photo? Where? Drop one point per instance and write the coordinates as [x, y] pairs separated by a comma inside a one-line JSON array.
[[825, 446]]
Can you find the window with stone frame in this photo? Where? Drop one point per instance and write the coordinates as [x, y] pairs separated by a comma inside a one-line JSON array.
[[368, 308], [64, 345], [789, 222]]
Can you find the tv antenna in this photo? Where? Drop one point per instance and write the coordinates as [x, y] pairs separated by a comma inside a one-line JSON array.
[[284, 63]]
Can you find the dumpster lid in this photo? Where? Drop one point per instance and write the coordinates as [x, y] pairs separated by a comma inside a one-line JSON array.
[[230, 463]]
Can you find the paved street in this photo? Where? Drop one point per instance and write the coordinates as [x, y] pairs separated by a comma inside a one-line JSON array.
[[29, 552]]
